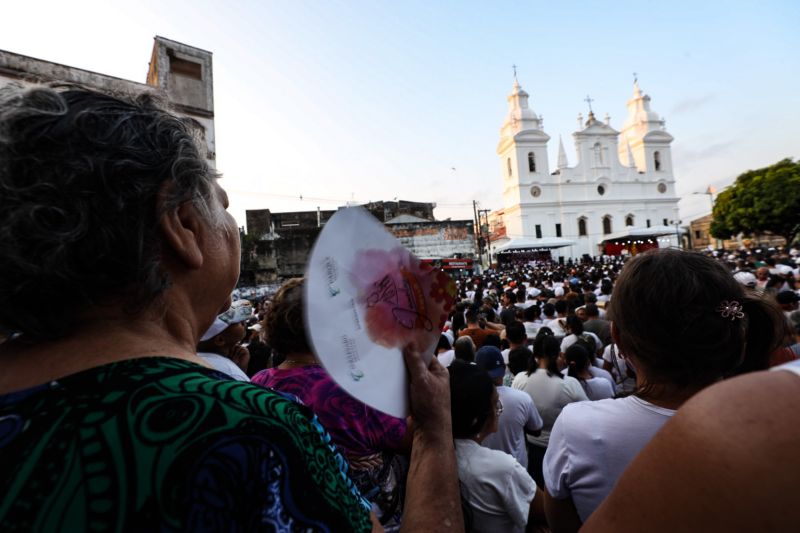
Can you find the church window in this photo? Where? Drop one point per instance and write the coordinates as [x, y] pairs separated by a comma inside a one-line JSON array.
[[662, 188], [531, 162], [657, 160], [538, 231], [508, 165], [558, 230], [582, 227], [536, 191], [606, 224], [598, 154], [648, 222], [629, 220], [601, 190], [666, 223]]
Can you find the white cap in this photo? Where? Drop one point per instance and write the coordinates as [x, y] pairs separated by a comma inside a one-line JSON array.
[[745, 278], [239, 311]]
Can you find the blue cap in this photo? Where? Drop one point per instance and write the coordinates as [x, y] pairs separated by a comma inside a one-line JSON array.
[[490, 359]]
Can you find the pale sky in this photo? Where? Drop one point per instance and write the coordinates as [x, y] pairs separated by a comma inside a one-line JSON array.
[[376, 100]]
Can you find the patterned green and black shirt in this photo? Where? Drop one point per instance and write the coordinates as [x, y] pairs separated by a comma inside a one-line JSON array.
[[163, 444]]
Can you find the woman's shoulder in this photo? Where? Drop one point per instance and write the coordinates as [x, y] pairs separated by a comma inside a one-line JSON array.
[[593, 412], [208, 421]]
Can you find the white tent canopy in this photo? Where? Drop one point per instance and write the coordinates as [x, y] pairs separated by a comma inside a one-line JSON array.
[[533, 244], [631, 232]]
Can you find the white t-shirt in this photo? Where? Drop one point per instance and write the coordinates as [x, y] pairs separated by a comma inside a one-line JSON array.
[[550, 394], [497, 488], [555, 325], [619, 369], [531, 329], [519, 414], [598, 373], [592, 443], [224, 365], [446, 357], [519, 380], [571, 339]]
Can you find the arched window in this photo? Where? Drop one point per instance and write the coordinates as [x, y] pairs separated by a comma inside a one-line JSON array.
[[606, 224], [531, 162], [657, 160], [508, 164], [582, 227], [598, 155], [629, 220]]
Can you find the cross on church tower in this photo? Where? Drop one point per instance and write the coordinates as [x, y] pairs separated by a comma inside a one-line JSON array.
[[515, 71], [635, 78], [589, 101]]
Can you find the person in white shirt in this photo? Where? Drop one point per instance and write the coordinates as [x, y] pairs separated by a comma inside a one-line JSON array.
[[516, 337], [658, 293], [550, 392], [578, 365], [531, 319], [615, 363], [220, 345], [558, 324], [519, 416], [575, 332], [444, 352], [499, 492]]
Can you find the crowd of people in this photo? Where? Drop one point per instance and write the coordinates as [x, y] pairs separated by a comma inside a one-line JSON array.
[[134, 394]]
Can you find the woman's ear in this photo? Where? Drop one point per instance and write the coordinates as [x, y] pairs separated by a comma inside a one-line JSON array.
[[182, 228]]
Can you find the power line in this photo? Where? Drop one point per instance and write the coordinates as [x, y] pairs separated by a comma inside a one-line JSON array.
[[302, 197]]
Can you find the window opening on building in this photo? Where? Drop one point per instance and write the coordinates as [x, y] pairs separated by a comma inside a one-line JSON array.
[[629, 220], [538, 231], [582, 227], [531, 162], [558, 230], [606, 225], [657, 160]]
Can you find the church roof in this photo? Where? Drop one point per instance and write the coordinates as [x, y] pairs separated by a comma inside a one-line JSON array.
[[596, 127]]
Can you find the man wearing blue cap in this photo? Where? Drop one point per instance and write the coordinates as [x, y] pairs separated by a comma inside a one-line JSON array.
[[518, 416]]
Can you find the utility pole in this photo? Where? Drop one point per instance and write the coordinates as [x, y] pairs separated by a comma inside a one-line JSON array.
[[485, 214], [478, 232], [677, 231]]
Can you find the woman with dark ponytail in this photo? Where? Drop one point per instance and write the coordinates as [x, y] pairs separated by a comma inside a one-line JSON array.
[[578, 365], [683, 323]]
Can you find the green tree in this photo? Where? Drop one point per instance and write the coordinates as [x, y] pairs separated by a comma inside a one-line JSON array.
[[766, 200]]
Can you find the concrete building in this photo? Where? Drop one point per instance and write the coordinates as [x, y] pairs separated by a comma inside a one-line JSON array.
[[277, 245], [181, 73], [620, 194]]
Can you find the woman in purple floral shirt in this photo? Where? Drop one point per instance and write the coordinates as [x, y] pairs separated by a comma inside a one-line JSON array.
[[372, 441]]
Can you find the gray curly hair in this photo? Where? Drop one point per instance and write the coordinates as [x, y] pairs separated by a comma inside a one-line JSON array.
[[84, 178]]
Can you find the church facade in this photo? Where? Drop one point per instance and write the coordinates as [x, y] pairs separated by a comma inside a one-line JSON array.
[[619, 195]]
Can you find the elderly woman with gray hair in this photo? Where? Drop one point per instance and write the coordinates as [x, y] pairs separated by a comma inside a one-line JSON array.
[[116, 254]]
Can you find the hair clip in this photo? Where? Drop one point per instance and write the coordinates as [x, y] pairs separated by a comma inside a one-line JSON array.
[[731, 309]]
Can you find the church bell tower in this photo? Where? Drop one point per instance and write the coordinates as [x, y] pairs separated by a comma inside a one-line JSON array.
[[522, 149]]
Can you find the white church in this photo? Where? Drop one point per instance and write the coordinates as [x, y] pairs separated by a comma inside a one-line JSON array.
[[619, 197]]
